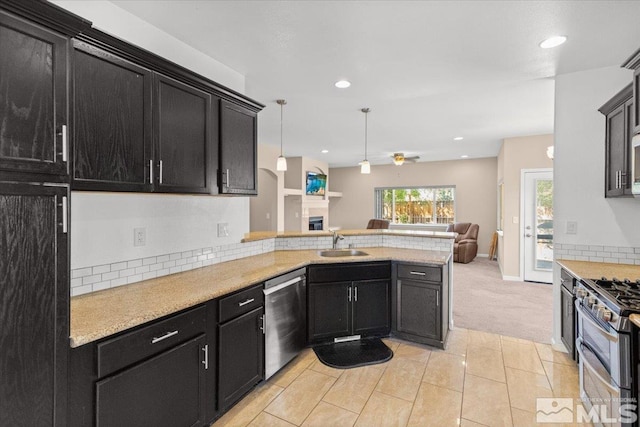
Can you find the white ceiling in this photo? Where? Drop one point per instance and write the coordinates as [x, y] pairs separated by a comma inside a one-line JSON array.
[[429, 70]]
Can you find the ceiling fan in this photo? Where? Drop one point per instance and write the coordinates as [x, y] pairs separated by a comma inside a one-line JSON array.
[[399, 159]]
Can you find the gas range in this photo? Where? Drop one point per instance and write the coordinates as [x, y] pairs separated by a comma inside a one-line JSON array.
[[610, 302]]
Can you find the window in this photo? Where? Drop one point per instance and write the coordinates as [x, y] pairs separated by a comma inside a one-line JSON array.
[[417, 205]]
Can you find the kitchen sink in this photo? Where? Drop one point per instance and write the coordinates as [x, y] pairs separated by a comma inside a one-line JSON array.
[[341, 252]]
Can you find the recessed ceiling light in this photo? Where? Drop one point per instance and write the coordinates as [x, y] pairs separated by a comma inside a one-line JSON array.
[[553, 42], [464, 156], [324, 151], [458, 138], [343, 84]]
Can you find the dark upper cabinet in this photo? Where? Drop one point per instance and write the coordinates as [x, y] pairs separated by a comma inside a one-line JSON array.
[[34, 305], [618, 113], [633, 63], [238, 149], [33, 98], [112, 147], [183, 132]]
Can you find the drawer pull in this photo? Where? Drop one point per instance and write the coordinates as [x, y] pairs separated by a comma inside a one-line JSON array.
[[249, 301], [205, 362], [164, 337], [418, 273]]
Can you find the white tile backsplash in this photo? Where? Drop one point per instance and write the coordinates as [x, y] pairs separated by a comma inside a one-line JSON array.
[[597, 253], [94, 278]]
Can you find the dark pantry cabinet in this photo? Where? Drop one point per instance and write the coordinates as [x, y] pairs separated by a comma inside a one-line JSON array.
[[618, 112], [420, 296], [348, 299], [34, 304], [33, 98]]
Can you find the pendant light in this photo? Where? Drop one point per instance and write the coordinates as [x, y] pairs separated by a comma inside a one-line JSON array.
[[281, 165], [365, 166]]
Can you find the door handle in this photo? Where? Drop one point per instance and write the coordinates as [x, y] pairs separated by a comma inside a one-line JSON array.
[[248, 301], [65, 135], [349, 293], [65, 222], [355, 297], [150, 171], [160, 172], [205, 362], [164, 337]]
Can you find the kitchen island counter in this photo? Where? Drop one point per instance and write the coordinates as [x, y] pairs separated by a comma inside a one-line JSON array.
[[263, 235], [104, 313]]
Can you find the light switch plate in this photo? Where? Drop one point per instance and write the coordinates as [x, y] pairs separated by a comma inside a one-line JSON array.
[[572, 227], [223, 229]]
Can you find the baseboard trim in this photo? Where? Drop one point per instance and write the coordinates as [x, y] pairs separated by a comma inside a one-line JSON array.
[[512, 278], [483, 255]]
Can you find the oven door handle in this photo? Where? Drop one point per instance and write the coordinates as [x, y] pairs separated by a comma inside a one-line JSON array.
[[583, 359], [587, 318]]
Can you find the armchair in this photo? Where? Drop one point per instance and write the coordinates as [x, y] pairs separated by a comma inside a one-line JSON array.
[[465, 247], [378, 224]]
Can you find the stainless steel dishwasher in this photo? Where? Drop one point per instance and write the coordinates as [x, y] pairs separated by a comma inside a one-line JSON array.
[[285, 324]]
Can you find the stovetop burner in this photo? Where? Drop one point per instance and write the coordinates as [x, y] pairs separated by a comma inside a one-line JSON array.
[[624, 293]]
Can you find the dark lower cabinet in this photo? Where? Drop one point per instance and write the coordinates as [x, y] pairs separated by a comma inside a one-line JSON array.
[[420, 303], [241, 357], [238, 149], [359, 306], [165, 391], [568, 316], [33, 98], [34, 304]]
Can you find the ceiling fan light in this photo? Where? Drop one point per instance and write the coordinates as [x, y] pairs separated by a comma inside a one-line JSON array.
[[398, 159], [365, 167], [281, 164]]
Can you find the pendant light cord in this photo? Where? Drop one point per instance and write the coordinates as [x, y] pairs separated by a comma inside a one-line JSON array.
[[281, 107], [366, 113]]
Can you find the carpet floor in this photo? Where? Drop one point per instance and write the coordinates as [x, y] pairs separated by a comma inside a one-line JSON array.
[[484, 302]]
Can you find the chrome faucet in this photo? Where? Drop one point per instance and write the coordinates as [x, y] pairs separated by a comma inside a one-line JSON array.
[[336, 237]]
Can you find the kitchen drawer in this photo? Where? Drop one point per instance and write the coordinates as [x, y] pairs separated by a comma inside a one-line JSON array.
[[420, 272], [566, 279], [240, 303], [349, 272], [130, 348]]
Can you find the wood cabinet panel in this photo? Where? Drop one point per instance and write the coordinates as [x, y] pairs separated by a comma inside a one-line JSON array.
[[329, 310], [183, 116], [112, 122], [241, 357], [33, 97], [567, 315], [34, 299], [167, 390], [419, 309], [238, 149], [371, 307]]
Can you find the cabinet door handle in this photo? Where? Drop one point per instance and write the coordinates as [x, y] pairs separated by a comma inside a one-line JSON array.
[[355, 294], [263, 326], [65, 221], [349, 293], [418, 273], [228, 180], [623, 179], [248, 301], [437, 298], [65, 136], [160, 172], [205, 362], [150, 171], [164, 337]]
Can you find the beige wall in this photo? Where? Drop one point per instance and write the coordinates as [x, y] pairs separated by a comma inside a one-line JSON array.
[[528, 152], [474, 179], [270, 198]]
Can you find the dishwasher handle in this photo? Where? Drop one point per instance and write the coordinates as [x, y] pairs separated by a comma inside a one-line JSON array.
[[286, 284]]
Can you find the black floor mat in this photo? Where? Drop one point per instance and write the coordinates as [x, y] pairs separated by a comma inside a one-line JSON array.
[[351, 354]]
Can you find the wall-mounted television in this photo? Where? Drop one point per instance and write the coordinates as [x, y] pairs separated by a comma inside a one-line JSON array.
[[316, 184]]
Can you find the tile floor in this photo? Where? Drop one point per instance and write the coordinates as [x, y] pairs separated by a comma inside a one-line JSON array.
[[481, 379]]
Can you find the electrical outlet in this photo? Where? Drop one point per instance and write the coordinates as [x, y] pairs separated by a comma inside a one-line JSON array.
[[139, 236], [223, 229], [572, 227]]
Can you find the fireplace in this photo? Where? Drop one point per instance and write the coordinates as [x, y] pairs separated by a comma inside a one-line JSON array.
[[315, 223]]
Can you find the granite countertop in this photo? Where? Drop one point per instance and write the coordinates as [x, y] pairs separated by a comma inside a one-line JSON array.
[[635, 319], [104, 313], [595, 270], [263, 235]]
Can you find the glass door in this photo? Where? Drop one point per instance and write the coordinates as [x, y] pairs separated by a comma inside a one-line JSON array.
[[538, 226]]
